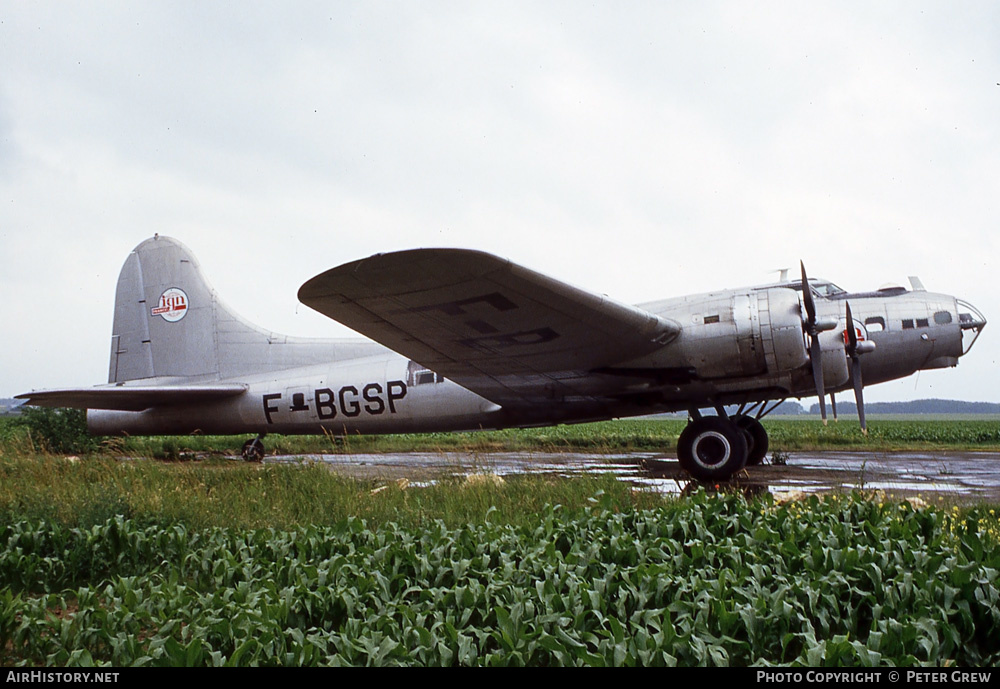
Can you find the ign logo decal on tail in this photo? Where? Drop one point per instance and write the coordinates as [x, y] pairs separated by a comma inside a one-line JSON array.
[[173, 305]]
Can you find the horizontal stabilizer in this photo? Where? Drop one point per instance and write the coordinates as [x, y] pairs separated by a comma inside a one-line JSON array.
[[131, 397]]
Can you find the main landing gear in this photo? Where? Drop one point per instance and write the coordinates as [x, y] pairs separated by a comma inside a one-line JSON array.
[[253, 449], [714, 448], [757, 442]]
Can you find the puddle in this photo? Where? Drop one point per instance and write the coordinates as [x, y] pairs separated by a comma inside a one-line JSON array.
[[964, 476]]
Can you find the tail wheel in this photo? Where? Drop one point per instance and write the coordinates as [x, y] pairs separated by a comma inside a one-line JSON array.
[[712, 448], [757, 441], [253, 450]]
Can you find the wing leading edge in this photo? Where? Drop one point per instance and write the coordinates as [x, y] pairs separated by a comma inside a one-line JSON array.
[[510, 334], [131, 397]]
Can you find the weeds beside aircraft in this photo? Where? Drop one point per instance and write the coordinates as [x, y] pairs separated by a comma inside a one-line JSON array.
[[464, 340]]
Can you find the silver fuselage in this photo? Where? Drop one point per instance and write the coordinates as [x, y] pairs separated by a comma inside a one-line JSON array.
[[735, 346]]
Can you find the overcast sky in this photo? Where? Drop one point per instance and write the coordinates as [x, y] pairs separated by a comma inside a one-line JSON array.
[[642, 150]]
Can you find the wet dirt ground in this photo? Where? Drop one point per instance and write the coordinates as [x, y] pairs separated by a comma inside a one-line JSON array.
[[953, 477]]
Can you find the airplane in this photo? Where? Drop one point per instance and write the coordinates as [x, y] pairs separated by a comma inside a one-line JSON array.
[[464, 340]]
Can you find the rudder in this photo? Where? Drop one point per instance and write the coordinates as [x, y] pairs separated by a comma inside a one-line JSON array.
[[165, 316]]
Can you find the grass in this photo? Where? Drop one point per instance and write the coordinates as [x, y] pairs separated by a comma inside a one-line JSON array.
[[236, 495], [616, 436], [608, 436], [134, 561], [35, 483]]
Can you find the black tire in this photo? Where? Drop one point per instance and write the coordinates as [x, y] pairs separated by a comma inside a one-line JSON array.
[[253, 450], [712, 449], [757, 440]]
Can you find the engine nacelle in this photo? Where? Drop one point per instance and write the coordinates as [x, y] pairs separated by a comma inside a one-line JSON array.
[[742, 334], [786, 345], [783, 339], [836, 370]]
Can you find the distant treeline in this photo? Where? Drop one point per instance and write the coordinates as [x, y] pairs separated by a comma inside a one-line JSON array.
[[793, 408], [933, 406]]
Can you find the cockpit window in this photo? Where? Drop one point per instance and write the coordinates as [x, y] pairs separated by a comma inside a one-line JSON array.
[[827, 289], [822, 288]]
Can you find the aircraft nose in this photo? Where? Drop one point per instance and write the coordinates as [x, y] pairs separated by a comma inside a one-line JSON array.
[[972, 322]]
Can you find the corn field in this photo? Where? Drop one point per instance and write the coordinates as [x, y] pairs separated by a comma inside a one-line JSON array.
[[712, 580]]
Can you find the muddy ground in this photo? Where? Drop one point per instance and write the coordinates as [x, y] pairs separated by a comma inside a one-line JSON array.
[[944, 476]]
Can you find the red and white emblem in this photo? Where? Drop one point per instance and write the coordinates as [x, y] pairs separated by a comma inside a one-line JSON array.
[[859, 330], [173, 305]]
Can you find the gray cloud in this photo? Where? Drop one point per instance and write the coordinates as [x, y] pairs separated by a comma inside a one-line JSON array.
[[642, 150]]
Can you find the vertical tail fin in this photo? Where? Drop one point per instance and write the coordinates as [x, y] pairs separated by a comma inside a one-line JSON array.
[[170, 323], [165, 316]]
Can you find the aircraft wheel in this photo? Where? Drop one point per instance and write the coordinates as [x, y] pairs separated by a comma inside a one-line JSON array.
[[253, 450], [757, 441], [712, 448]]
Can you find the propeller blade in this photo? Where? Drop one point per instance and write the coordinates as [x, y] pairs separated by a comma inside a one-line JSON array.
[[815, 351], [833, 404], [852, 333], [817, 367], [807, 298], [852, 350], [858, 392]]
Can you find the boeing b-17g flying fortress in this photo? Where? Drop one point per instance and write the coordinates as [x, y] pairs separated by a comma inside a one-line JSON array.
[[464, 340]]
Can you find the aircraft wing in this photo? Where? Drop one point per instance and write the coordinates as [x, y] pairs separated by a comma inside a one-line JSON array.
[[131, 397], [510, 334]]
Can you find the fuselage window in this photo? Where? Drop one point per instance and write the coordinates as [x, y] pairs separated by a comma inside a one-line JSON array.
[[418, 375], [424, 377], [875, 324], [908, 324], [922, 323], [942, 317], [711, 319]]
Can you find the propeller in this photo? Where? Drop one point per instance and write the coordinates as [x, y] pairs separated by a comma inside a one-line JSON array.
[[815, 352], [855, 349]]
